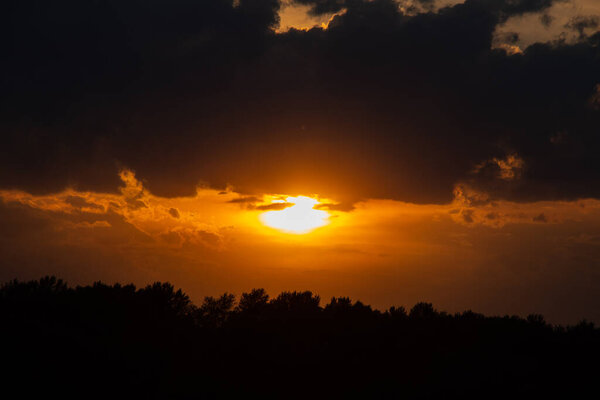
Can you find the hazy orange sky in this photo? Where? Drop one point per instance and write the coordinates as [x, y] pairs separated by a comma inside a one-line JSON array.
[[450, 148], [495, 257]]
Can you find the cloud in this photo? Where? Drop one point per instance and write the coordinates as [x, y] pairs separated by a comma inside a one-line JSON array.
[[568, 21], [540, 218], [595, 98], [299, 16], [507, 169], [245, 199], [274, 206], [80, 202], [319, 7], [255, 203], [345, 207], [91, 225], [134, 210], [383, 103], [583, 24], [546, 20]]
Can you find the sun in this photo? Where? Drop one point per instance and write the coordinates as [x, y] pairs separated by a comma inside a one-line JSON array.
[[299, 218]]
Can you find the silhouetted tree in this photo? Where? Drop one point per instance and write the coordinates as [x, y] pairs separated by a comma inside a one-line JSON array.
[[296, 301], [254, 302], [215, 311], [423, 311], [536, 319], [339, 305], [163, 296], [116, 341], [397, 312]]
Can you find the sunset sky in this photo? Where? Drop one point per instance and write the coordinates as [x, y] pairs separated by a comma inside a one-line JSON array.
[[393, 151]]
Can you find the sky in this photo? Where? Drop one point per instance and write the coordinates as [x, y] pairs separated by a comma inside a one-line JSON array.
[[390, 151]]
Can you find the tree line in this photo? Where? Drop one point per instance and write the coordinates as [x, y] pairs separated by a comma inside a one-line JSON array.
[[120, 341]]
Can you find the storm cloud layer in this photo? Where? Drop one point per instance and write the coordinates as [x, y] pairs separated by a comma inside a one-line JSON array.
[[386, 102]]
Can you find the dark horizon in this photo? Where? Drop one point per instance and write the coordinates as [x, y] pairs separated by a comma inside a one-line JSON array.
[[231, 301], [123, 342]]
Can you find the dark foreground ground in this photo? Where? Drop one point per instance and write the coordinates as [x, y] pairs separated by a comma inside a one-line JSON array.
[[117, 341]]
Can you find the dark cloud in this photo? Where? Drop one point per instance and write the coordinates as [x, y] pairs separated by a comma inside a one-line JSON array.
[[174, 212], [595, 98], [546, 20], [467, 216], [427, 4], [319, 7], [80, 202], [581, 23], [540, 218], [273, 207], [506, 37], [245, 199], [135, 204], [381, 104], [491, 216], [250, 203], [346, 207]]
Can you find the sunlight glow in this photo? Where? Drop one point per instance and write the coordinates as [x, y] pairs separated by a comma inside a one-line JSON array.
[[300, 218]]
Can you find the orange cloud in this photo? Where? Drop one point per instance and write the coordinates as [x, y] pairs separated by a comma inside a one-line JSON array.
[[297, 16]]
